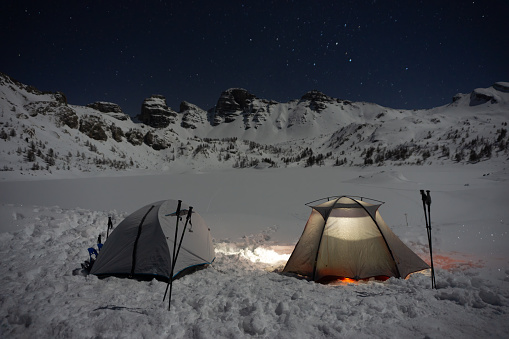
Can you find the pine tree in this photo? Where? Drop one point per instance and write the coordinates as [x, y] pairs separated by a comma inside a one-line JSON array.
[[474, 157]]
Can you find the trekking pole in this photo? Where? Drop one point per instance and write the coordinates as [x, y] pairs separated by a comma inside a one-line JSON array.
[[177, 213], [188, 218], [189, 212], [428, 202], [424, 198], [110, 226]]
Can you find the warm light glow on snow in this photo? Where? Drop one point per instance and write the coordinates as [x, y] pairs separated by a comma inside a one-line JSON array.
[[259, 254], [344, 281], [348, 280], [450, 261]]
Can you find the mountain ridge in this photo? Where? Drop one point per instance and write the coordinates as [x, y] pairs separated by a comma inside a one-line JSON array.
[[243, 130]]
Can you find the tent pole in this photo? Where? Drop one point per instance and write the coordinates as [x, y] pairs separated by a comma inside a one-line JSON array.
[[170, 283], [135, 248], [321, 235], [382, 234]]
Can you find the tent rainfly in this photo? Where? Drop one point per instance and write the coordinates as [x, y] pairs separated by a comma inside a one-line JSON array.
[[141, 245], [346, 237]]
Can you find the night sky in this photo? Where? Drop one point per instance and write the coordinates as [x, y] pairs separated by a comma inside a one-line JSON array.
[[399, 54]]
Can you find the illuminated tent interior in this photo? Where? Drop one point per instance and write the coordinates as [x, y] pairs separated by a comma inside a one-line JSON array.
[[141, 246], [346, 237]]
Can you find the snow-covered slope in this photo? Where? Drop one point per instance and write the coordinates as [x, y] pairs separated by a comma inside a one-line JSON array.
[[41, 134]]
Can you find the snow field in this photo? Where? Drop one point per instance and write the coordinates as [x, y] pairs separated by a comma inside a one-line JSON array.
[[236, 297], [44, 237]]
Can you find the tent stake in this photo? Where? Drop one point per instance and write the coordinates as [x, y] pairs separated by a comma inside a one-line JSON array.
[[426, 200]]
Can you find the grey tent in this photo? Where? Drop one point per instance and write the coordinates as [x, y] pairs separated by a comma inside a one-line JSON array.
[[141, 246], [347, 238]]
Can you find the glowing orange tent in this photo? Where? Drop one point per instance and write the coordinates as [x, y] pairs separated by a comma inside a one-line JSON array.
[[346, 237]]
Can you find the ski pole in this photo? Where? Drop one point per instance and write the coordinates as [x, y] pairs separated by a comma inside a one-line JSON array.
[[424, 198], [177, 213], [178, 250], [189, 212], [110, 226], [428, 202]]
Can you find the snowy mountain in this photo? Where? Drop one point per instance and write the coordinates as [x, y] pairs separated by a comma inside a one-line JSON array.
[[41, 133]]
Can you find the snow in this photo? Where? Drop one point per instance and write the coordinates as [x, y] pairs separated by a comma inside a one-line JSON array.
[[256, 217]]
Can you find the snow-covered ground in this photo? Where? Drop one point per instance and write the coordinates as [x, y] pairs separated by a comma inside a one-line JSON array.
[[256, 216]]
